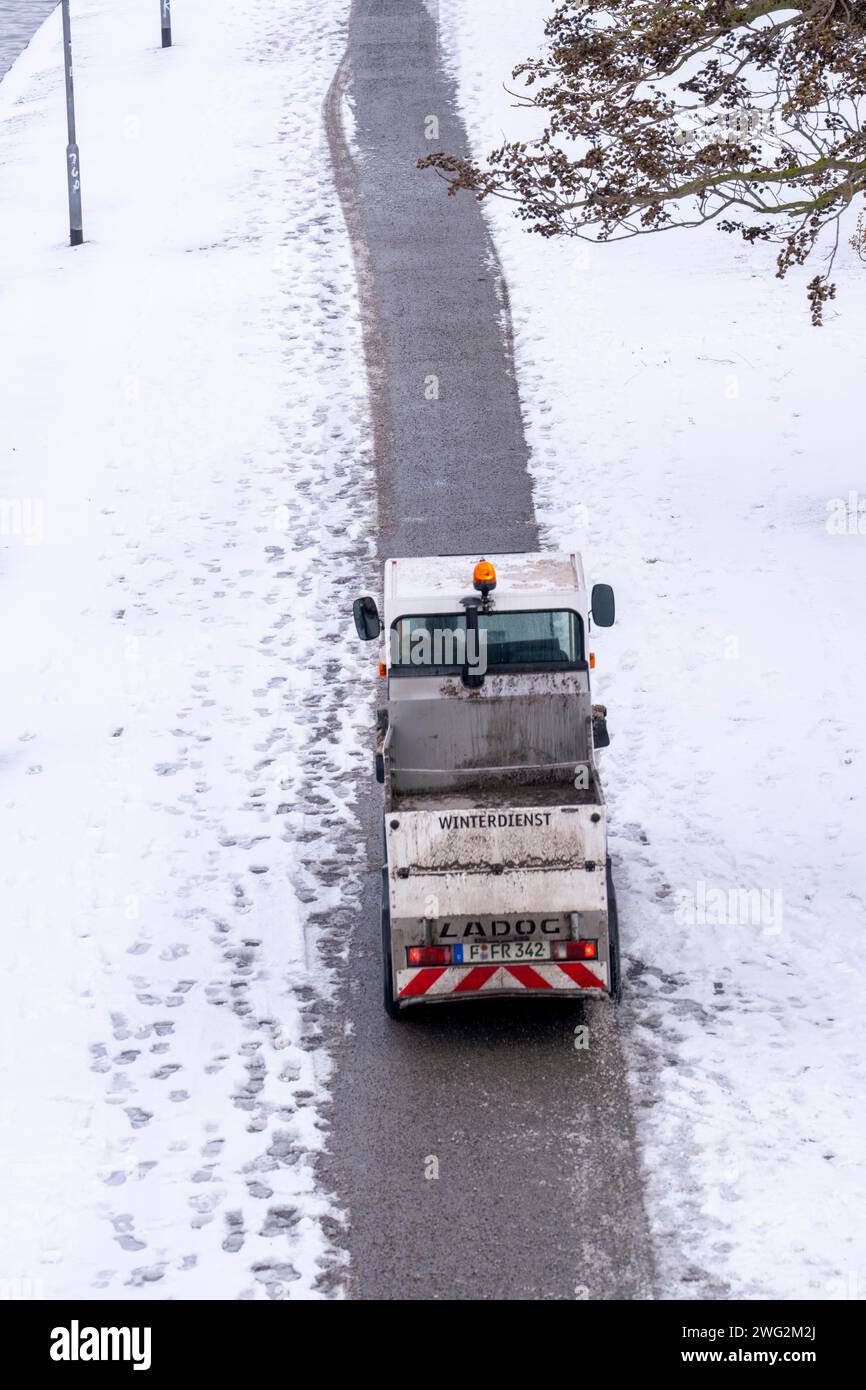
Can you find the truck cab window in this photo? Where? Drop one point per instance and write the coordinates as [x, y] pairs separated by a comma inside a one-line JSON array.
[[506, 639]]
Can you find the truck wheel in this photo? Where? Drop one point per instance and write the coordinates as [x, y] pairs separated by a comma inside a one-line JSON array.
[[392, 1008], [613, 939]]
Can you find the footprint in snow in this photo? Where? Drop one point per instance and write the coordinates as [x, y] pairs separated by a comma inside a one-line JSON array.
[[145, 1274], [166, 1070], [233, 1242], [130, 1243], [279, 1220], [138, 1118]]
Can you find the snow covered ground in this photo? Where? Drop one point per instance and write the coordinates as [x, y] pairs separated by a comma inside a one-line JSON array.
[[700, 442], [184, 490]]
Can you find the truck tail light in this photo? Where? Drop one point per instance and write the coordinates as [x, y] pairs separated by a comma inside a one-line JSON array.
[[575, 950], [429, 955]]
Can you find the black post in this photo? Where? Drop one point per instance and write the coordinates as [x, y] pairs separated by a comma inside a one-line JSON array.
[[165, 12], [73, 168]]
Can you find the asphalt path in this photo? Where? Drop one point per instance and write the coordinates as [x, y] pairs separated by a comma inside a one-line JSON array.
[[481, 1151], [19, 20]]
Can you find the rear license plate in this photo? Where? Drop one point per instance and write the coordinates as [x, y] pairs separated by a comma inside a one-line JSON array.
[[479, 952]]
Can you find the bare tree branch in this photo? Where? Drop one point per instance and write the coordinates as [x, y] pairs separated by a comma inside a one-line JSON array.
[[672, 113]]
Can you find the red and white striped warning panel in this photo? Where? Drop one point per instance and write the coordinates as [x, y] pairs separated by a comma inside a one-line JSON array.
[[436, 980]]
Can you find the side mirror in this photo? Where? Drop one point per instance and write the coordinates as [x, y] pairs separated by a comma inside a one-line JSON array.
[[368, 624], [602, 605]]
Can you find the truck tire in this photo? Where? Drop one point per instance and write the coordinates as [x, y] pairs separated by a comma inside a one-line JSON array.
[[613, 939], [392, 1008]]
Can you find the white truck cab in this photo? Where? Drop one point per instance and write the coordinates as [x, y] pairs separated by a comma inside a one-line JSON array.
[[496, 879]]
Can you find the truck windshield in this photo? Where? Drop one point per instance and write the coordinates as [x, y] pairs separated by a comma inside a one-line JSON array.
[[439, 640]]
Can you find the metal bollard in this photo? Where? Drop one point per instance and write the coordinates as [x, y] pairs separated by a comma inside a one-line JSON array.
[[73, 166]]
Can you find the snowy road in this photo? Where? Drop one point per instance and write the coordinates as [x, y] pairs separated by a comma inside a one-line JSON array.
[[538, 1193], [19, 20]]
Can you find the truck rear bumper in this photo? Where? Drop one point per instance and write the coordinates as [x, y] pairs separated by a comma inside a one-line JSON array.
[[442, 983]]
